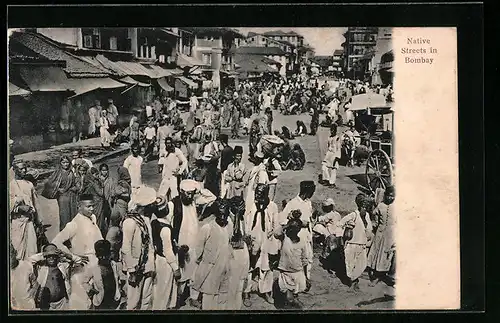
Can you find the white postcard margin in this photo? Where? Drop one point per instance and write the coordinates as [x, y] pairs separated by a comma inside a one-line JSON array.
[[426, 174]]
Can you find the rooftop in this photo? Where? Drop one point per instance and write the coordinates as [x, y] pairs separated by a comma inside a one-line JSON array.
[[260, 50], [338, 52], [48, 49], [281, 33], [214, 31]]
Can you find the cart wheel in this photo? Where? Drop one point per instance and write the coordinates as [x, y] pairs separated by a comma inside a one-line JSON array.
[[378, 170]]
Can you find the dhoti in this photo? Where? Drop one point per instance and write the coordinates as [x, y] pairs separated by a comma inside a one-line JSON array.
[[355, 260], [165, 288]]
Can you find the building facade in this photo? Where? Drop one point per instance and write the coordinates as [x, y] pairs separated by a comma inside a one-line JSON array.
[[358, 46], [383, 58], [337, 61]]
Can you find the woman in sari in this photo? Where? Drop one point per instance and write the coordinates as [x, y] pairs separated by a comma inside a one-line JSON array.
[[82, 169], [109, 194], [92, 185], [61, 185]]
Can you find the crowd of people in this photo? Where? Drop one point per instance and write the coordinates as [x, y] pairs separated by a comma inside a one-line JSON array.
[[211, 235]]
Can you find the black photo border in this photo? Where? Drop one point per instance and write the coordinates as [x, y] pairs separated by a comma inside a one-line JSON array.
[[468, 18]]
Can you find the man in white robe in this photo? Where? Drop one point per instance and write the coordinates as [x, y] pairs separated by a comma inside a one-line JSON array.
[[82, 233], [133, 164], [260, 221], [166, 263], [185, 232], [302, 202], [173, 164], [233, 176], [212, 274], [22, 192], [330, 163], [258, 175], [138, 256]]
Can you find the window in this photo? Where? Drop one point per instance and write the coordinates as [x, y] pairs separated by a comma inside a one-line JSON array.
[[206, 59], [91, 37], [87, 41], [113, 43]]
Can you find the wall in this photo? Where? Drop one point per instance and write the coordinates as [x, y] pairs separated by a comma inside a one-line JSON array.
[[70, 36], [384, 43]]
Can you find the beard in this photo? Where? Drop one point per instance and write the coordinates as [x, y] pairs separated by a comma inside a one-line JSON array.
[[186, 200]]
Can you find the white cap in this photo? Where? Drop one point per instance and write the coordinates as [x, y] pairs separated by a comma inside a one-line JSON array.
[[259, 154], [329, 201], [145, 196], [189, 185]]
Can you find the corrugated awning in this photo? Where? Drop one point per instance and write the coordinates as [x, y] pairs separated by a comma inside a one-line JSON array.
[[15, 90], [123, 68], [45, 78], [183, 61], [129, 80], [164, 85], [84, 85], [156, 71], [189, 82]]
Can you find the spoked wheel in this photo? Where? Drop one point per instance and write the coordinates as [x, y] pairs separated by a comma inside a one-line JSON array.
[[379, 172]]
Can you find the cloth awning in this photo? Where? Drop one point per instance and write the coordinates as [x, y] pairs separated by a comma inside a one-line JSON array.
[[184, 60], [15, 90], [84, 85], [131, 81], [189, 82], [45, 78], [164, 85]]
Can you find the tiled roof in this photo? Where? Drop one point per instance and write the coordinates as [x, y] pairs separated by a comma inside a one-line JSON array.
[[281, 33], [260, 50], [213, 31], [253, 63], [41, 45], [338, 52]]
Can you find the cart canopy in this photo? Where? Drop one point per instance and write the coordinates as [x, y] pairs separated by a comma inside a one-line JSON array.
[[367, 100]]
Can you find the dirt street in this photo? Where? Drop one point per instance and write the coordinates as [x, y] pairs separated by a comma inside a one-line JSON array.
[[327, 292]]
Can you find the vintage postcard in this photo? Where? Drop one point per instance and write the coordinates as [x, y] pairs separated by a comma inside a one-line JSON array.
[[247, 169]]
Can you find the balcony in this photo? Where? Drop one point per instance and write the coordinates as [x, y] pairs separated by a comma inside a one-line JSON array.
[[216, 43], [362, 29]]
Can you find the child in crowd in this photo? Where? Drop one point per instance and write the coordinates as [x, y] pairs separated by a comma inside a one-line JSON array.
[[293, 262], [101, 281]]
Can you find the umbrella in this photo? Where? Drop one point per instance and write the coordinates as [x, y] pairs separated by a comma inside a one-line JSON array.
[[367, 100]]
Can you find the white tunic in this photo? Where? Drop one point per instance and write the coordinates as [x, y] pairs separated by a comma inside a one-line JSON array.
[[133, 164]]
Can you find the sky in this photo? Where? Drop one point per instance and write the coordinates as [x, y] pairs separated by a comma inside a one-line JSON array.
[[323, 40]]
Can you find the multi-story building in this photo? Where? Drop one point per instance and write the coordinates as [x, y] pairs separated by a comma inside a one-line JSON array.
[[292, 37], [211, 49], [337, 61], [382, 60], [359, 43], [255, 53], [262, 40]]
